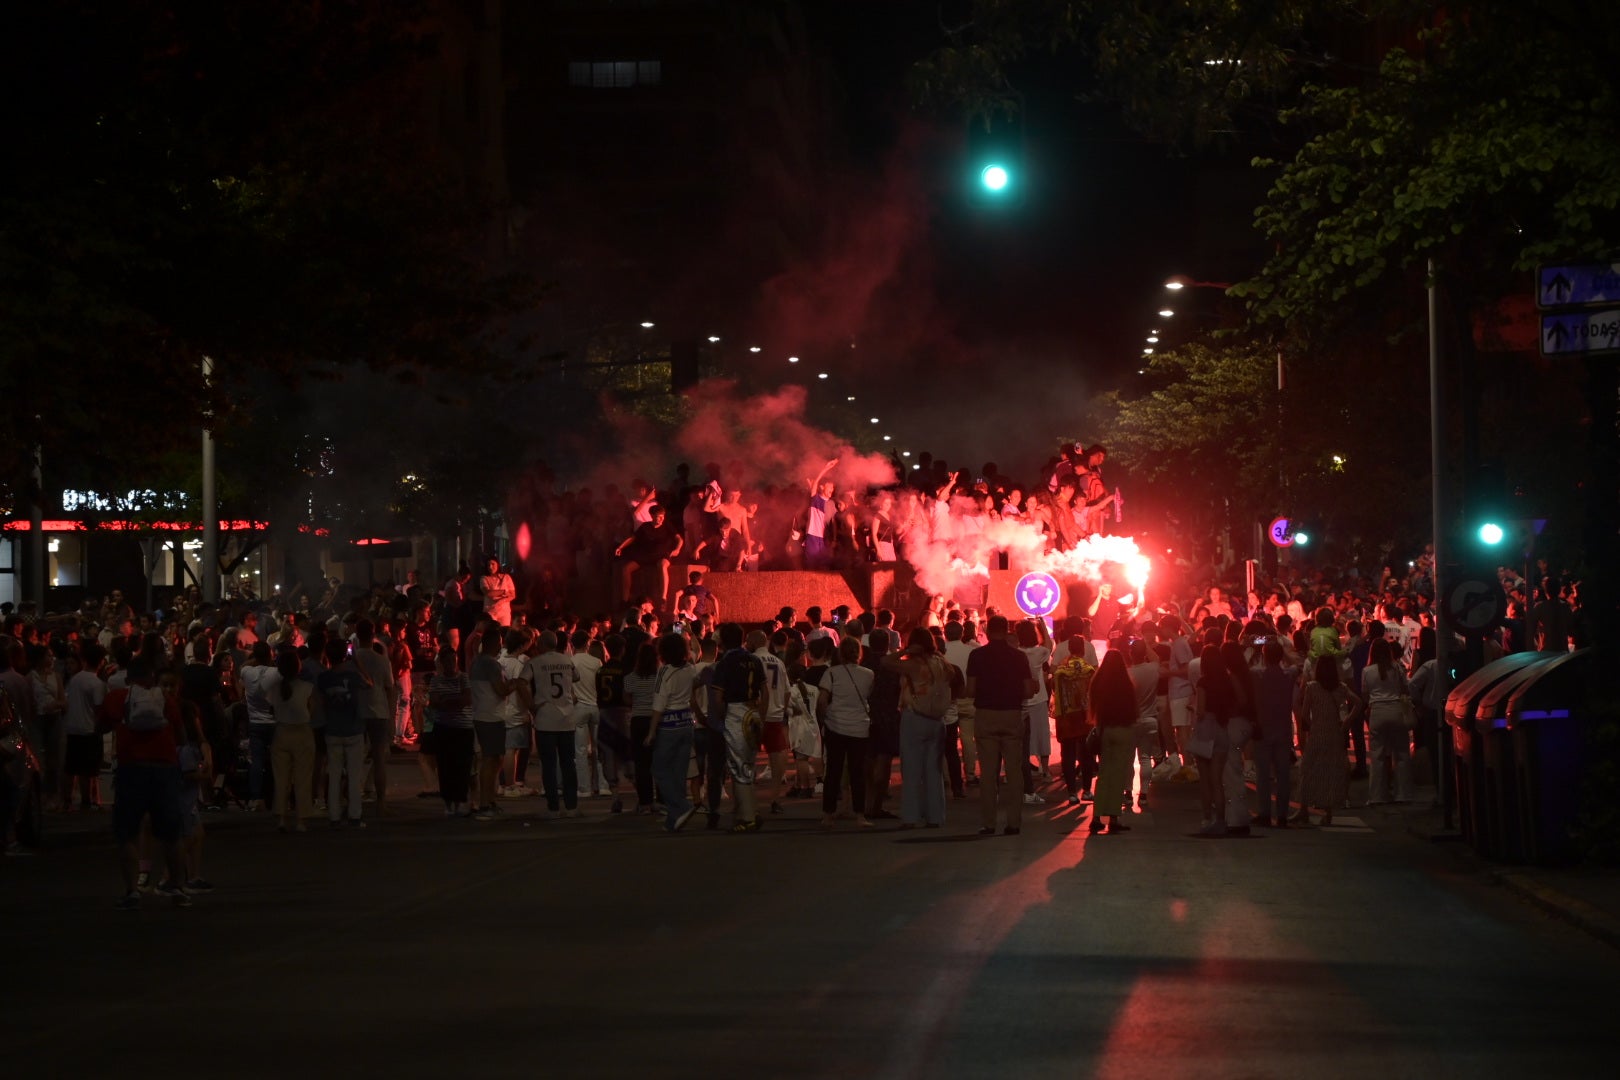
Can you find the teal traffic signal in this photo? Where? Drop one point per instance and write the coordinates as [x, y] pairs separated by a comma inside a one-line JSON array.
[[995, 178], [1491, 534]]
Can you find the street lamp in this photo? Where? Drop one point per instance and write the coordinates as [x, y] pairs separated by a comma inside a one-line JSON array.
[[1165, 313], [1182, 281]]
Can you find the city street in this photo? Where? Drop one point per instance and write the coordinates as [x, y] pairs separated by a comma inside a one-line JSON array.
[[601, 947]]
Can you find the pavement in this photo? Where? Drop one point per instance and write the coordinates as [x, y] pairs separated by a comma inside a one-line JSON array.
[[600, 946]]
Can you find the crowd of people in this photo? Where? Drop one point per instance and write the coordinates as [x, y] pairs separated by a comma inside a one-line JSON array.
[[293, 707]]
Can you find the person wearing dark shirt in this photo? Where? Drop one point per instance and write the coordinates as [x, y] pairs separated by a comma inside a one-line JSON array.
[[998, 681], [884, 742], [650, 545], [613, 724], [338, 690], [1114, 712], [1358, 663], [741, 679]]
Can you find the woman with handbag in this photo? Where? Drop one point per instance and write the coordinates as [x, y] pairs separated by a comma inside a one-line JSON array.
[[841, 703], [1389, 719]]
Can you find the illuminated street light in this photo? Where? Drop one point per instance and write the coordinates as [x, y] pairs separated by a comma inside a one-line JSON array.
[[1491, 533], [1182, 281], [1153, 339], [1165, 313], [995, 178], [713, 339], [1147, 352], [905, 453], [753, 348], [852, 397], [874, 419], [887, 438], [793, 359], [821, 374], [646, 326]]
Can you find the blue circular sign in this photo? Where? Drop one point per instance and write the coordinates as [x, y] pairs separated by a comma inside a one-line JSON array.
[[1038, 594], [1281, 532]]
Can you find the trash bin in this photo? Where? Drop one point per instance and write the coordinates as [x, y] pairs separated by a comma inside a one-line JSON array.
[[1545, 724], [1500, 801], [1473, 794]]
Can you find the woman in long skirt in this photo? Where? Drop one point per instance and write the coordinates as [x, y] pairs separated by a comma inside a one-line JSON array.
[[1324, 776]]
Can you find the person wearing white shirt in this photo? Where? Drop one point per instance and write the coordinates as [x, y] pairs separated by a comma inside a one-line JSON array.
[[82, 757], [670, 735], [587, 717], [499, 591], [961, 765], [550, 679]]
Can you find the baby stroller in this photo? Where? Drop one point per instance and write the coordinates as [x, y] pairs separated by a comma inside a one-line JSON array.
[[226, 732]]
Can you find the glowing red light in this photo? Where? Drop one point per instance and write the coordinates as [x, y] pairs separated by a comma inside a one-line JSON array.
[[523, 541]]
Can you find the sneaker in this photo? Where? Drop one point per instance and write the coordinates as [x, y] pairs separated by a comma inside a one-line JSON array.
[[199, 885], [356, 823], [143, 882], [174, 894], [987, 830], [680, 822], [130, 901], [1033, 799], [484, 815], [820, 789], [1074, 800], [746, 826]]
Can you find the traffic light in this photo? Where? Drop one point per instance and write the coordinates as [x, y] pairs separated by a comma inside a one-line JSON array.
[[1489, 515], [995, 160]]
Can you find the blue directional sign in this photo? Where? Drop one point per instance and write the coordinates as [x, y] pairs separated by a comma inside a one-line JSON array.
[[1037, 594], [1578, 285], [1581, 332]]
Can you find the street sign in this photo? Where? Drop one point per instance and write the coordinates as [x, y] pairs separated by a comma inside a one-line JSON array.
[[1038, 594], [1476, 605], [1281, 532], [1578, 285], [1585, 332]]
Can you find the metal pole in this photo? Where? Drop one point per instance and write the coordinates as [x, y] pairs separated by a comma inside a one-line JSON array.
[[1442, 623], [39, 576], [210, 511]]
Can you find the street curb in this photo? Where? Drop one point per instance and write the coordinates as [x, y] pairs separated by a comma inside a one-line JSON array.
[[1578, 913]]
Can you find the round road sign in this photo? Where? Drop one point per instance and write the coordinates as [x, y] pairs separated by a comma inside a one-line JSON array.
[[1037, 594], [1281, 532], [1476, 605]]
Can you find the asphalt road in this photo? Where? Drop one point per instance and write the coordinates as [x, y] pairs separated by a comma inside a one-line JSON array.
[[600, 947]]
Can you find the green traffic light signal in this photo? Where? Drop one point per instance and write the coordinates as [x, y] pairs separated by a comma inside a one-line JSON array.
[[995, 178], [1491, 534]]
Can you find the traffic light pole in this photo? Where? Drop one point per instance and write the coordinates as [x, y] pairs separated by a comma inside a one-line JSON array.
[[1443, 648]]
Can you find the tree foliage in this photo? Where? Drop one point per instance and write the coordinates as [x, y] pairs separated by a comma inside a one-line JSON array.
[[1492, 148]]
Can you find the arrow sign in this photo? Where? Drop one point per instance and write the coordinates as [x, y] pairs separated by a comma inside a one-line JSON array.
[[1578, 285], [1585, 332]]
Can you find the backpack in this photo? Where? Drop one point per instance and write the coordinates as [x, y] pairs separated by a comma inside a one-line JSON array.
[[932, 697]]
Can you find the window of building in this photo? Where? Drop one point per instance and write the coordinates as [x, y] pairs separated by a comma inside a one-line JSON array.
[[615, 74]]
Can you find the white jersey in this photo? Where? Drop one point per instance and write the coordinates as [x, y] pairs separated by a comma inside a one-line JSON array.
[[551, 677], [776, 686]]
